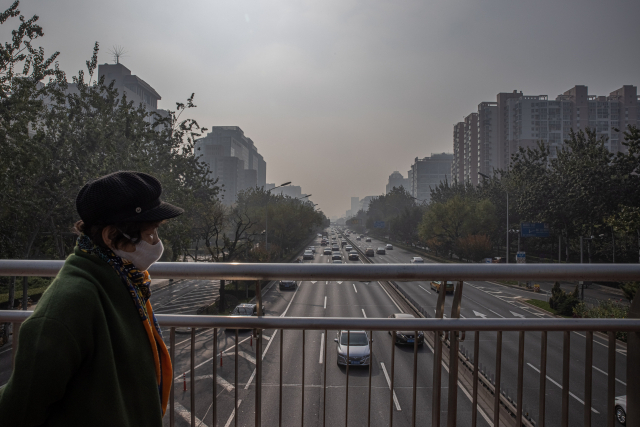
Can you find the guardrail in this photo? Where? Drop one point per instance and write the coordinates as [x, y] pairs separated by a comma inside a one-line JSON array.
[[438, 327]]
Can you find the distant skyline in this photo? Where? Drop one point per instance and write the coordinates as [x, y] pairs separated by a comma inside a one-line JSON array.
[[339, 94]]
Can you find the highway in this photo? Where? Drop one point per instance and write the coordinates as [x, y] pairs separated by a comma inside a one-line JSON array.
[[314, 299], [492, 300]]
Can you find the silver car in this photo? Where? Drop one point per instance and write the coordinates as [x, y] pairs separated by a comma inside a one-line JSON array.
[[358, 348], [621, 409]]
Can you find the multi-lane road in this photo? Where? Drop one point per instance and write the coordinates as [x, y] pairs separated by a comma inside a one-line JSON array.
[[491, 300]]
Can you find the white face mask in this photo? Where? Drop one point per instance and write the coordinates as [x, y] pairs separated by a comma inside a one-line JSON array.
[[144, 255]]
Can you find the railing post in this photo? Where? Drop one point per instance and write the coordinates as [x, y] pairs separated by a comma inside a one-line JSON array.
[[452, 410], [437, 359], [258, 406], [633, 370]]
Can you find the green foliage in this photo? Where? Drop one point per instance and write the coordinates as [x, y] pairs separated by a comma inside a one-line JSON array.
[[604, 310], [629, 290], [562, 302], [447, 226]]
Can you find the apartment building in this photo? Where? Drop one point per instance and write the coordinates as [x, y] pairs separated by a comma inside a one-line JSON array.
[[397, 180], [233, 159], [517, 121], [428, 173]]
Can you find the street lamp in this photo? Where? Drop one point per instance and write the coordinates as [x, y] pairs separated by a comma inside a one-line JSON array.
[[266, 221], [488, 177]]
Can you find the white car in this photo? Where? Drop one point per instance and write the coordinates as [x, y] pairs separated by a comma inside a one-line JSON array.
[[389, 247], [417, 260], [307, 255], [621, 409], [348, 248]]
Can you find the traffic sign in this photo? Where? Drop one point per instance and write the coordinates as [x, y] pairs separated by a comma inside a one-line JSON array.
[[521, 258], [534, 229], [378, 224]]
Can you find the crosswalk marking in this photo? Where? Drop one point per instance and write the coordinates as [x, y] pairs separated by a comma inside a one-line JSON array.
[[186, 415]]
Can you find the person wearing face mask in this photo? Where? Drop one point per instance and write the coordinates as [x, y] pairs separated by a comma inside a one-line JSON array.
[[92, 351]]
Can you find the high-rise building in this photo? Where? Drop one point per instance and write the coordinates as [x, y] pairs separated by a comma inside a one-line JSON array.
[[397, 180], [355, 205], [294, 191], [233, 159], [457, 165], [520, 121], [136, 89], [364, 203], [428, 173]]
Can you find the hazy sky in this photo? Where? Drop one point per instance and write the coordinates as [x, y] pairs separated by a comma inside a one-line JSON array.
[[339, 94]]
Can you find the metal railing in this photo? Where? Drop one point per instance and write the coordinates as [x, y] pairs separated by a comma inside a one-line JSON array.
[[439, 332]]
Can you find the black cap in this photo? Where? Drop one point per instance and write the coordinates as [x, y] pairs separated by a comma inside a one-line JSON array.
[[124, 196]]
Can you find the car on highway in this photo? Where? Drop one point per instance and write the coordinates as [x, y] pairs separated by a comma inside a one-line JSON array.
[[333, 238], [369, 252], [356, 343], [336, 257], [389, 247], [348, 248], [343, 243], [368, 239], [621, 409], [381, 251], [337, 261], [358, 238], [323, 243], [416, 260], [335, 248], [407, 337], [327, 251], [307, 255], [353, 256], [436, 284], [244, 309], [288, 284]]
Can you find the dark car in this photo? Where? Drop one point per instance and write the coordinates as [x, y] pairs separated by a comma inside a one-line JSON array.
[[407, 337], [288, 284], [369, 252], [381, 251], [336, 257], [335, 248], [353, 256]]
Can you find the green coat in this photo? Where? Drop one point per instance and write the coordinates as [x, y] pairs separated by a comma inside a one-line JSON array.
[[83, 357]]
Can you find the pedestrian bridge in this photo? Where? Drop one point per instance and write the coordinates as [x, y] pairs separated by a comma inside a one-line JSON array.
[[452, 366]]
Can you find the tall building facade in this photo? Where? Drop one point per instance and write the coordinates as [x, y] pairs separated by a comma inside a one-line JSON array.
[[464, 167], [428, 173], [233, 159], [397, 180], [136, 89], [517, 121]]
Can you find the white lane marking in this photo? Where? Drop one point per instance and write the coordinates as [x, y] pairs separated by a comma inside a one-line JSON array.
[[478, 314], [600, 370], [425, 290], [517, 314], [364, 314], [394, 303], [313, 283], [497, 314], [325, 301], [570, 394], [266, 337], [186, 415], [354, 287], [321, 346], [395, 398], [326, 283], [339, 283], [232, 414], [245, 355], [621, 351], [224, 383]]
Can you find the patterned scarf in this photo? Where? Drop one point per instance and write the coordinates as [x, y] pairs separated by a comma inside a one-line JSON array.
[[138, 283]]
